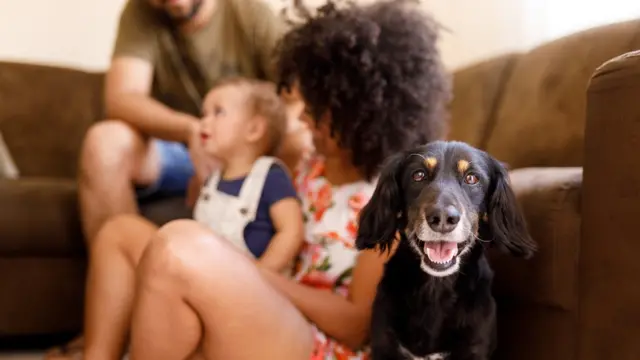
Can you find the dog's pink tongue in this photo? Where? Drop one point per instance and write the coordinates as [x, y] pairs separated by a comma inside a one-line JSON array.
[[441, 251]]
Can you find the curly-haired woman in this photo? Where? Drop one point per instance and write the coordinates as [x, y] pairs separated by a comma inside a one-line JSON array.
[[372, 84]]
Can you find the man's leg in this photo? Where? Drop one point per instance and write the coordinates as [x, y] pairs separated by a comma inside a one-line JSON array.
[[113, 157], [111, 285]]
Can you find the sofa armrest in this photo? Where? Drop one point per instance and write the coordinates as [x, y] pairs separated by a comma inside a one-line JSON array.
[[45, 112], [550, 201], [39, 217], [608, 285]]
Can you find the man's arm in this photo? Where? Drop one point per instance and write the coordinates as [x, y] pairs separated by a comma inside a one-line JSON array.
[[129, 79], [127, 89]]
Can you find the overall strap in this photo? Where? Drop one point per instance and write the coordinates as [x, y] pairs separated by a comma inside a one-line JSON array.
[[212, 181], [251, 190]]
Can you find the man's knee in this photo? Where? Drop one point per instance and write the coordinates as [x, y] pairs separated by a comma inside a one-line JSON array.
[[110, 144], [115, 235], [113, 228]]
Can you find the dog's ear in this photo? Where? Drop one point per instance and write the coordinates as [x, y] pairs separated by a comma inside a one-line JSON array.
[[380, 219], [505, 219]]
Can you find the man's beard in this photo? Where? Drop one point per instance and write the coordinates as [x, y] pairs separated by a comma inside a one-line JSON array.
[[197, 4]]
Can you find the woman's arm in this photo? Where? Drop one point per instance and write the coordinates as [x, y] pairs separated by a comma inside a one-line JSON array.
[[286, 216], [345, 319]]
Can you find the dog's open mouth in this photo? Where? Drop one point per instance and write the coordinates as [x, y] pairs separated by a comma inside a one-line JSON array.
[[441, 255]]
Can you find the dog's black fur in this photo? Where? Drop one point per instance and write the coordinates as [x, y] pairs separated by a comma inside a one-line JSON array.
[[421, 309]]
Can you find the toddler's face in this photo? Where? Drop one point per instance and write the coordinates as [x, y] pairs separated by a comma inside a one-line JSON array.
[[225, 121]]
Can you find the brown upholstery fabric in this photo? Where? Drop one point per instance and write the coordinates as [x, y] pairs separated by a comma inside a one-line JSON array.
[[39, 217], [550, 200], [541, 118], [528, 332], [41, 294], [161, 211], [608, 287], [574, 300], [29, 233], [44, 114], [478, 91]]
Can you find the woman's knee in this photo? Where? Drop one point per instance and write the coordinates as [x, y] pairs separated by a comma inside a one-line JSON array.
[[187, 250], [109, 145]]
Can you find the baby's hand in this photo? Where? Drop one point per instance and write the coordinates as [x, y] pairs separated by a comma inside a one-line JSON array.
[[203, 163]]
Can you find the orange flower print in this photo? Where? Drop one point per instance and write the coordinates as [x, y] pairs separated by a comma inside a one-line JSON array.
[[334, 236], [352, 229], [316, 253], [316, 168], [317, 279], [343, 353], [357, 202], [317, 276], [321, 202], [319, 349]]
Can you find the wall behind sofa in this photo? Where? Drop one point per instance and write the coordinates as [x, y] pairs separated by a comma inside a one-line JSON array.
[[81, 32]]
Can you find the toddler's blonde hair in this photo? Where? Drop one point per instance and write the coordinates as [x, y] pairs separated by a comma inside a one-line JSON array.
[[264, 101]]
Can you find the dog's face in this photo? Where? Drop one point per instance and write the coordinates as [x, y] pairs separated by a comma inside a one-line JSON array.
[[444, 190], [444, 196]]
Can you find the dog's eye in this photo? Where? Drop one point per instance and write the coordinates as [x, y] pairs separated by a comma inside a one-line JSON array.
[[418, 175], [471, 179]]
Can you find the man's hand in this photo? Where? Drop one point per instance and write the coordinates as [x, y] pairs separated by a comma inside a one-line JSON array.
[[203, 163]]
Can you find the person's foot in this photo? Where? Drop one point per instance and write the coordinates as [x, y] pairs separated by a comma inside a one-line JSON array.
[[70, 351]]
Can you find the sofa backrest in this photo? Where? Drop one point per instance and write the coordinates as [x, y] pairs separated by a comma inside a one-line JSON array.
[[529, 109], [44, 113]]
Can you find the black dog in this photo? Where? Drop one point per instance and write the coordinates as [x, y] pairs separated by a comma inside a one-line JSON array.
[[446, 200]]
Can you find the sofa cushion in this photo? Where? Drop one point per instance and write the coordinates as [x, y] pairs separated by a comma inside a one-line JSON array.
[[540, 121], [41, 295], [44, 114], [162, 210], [478, 92], [39, 218], [550, 199]]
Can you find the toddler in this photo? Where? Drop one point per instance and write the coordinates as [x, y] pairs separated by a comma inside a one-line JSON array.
[[250, 199]]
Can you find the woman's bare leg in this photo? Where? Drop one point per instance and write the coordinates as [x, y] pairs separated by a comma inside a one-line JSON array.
[[110, 289], [198, 294]]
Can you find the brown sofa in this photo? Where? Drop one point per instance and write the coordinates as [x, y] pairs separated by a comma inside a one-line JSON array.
[[576, 299]]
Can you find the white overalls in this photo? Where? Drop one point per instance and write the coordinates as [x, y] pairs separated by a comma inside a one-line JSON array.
[[228, 215]]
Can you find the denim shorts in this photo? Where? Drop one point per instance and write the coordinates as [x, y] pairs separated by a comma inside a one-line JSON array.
[[176, 170]]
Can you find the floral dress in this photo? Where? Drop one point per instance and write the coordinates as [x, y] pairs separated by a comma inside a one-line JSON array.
[[329, 254]]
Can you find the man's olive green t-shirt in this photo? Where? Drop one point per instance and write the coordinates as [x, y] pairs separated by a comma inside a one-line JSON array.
[[238, 40]]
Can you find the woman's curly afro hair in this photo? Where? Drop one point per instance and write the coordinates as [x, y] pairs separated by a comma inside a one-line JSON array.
[[377, 70]]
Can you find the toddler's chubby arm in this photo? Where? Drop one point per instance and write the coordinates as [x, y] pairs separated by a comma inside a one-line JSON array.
[[286, 215]]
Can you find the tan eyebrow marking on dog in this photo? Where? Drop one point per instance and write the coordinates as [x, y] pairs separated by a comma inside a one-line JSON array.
[[463, 166], [431, 162]]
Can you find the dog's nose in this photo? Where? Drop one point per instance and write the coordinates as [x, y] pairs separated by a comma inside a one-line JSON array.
[[443, 219]]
